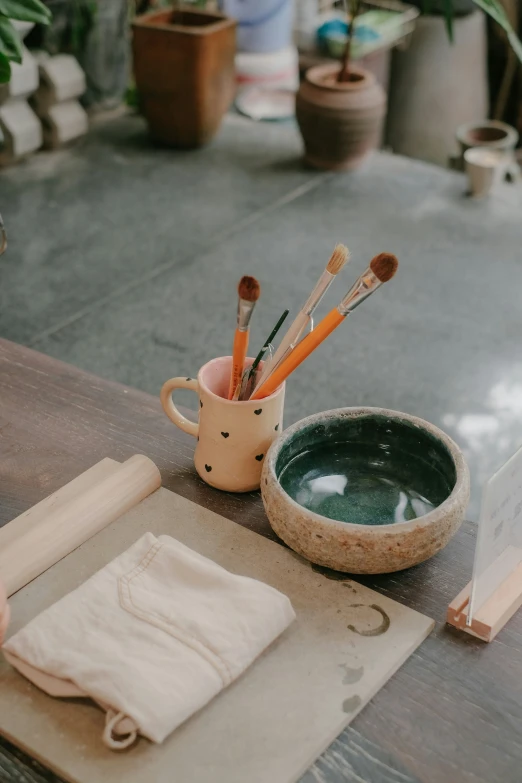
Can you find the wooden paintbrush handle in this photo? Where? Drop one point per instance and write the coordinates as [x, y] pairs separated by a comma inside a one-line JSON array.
[[238, 360], [299, 354]]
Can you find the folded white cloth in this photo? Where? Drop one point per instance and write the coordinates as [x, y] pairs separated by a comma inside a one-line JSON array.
[[152, 637]]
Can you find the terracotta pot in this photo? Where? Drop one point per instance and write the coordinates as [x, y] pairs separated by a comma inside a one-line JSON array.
[[341, 122], [184, 71]]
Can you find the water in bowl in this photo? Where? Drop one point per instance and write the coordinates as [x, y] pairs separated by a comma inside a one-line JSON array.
[[364, 483]]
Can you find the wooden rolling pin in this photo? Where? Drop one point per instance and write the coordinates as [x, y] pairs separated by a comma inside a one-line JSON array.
[[38, 538]]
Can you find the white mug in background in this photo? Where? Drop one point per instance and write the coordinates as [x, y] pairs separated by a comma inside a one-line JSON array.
[[485, 168], [232, 437]]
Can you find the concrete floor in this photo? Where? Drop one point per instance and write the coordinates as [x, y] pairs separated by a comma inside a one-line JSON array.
[[123, 259]]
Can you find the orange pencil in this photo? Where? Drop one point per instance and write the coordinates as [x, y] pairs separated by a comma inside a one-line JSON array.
[[248, 291], [381, 269]]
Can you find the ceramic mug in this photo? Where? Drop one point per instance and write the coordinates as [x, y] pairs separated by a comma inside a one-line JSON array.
[[232, 437], [485, 168]]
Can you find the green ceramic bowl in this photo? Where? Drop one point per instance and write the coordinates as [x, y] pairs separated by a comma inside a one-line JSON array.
[[365, 490]]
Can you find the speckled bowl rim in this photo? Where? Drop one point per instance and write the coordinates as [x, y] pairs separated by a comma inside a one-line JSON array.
[[452, 502]]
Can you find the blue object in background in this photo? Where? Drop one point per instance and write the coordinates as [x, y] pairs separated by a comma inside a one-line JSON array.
[[332, 27], [338, 29], [263, 25]]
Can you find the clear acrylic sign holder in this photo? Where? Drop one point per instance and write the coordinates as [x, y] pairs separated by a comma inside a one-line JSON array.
[[495, 591]]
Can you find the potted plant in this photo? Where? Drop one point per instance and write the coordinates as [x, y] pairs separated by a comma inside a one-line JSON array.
[[340, 110], [184, 72], [20, 129], [440, 81], [96, 32]]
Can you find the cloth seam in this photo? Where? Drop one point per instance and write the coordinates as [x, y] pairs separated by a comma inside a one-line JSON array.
[[200, 647]]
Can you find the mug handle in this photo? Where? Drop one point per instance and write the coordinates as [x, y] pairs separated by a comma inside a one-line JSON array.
[[170, 409]]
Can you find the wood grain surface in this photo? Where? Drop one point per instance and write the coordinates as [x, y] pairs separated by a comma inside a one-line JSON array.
[[453, 712]]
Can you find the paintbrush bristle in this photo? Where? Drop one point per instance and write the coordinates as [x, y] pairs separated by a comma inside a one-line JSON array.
[[384, 266], [339, 257], [249, 289]]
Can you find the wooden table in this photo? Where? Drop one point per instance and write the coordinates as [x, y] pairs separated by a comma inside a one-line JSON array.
[[453, 712]]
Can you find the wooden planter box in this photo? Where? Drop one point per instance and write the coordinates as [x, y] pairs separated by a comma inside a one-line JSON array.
[[184, 71]]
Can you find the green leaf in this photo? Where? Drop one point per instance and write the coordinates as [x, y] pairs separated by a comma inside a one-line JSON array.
[[515, 42], [494, 9], [25, 11], [5, 69], [10, 44], [448, 18]]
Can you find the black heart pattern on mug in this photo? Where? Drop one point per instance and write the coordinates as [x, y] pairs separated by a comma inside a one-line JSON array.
[[200, 404], [225, 434], [208, 468], [259, 457], [276, 427], [258, 411]]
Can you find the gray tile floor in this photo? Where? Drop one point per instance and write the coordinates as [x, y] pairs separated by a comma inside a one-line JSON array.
[[124, 258]]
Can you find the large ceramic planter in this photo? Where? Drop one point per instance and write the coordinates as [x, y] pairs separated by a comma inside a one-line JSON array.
[[436, 86], [184, 71], [340, 122]]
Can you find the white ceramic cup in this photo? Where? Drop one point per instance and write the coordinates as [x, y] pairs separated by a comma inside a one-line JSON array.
[[485, 168], [232, 437]]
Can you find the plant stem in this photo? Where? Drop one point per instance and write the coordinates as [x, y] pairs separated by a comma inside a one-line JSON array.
[[344, 73]]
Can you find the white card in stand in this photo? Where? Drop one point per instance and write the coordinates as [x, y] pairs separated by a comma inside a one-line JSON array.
[[495, 591]]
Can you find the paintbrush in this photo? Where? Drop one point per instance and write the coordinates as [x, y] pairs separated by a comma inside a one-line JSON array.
[[381, 269], [338, 259], [248, 292], [249, 376]]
